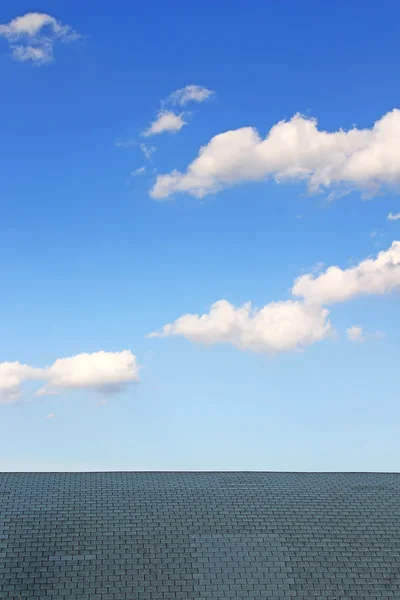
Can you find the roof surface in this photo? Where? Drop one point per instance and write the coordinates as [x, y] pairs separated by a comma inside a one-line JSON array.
[[119, 535]]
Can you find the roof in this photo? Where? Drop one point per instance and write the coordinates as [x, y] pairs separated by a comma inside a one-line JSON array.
[[120, 535]]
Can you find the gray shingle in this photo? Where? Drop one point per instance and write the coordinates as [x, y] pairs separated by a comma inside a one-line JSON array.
[[165, 536]]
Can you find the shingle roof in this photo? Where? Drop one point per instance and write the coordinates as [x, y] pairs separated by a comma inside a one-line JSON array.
[[109, 536]]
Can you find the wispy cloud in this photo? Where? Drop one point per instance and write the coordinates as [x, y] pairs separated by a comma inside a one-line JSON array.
[[294, 150], [139, 171], [32, 37], [190, 93], [125, 143], [148, 150], [393, 216], [356, 334]]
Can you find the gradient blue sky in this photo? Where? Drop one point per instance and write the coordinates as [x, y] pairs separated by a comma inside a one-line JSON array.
[[90, 262]]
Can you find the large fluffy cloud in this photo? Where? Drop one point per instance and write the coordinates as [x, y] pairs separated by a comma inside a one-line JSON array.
[[370, 276], [292, 324], [294, 150], [106, 372], [32, 36], [277, 327]]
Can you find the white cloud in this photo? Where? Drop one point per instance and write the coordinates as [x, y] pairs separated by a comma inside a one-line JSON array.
[[166, 121], [294, 150], [106, 372], [12, 376], [371, 276], [393, 217], [102, 371], [292, 324], [169, 121], [357, 334], [190, 93], [51, 416], [277, 327], [140, 171], [30, 25], [33, 35], [27, 53]]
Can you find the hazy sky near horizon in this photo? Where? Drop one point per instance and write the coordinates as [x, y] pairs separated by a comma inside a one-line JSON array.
[[199, 236]]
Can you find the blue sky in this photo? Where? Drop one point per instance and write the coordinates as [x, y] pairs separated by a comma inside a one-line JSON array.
[[93, 260]]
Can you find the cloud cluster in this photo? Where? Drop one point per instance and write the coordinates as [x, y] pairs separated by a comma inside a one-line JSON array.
[[291, 324], [167, 119], [393, 217], [278, 326], [33, 35], [294, 150], [105, 372]]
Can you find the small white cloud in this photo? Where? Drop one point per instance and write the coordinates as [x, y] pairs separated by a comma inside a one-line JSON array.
[[33, 35], [148, 150], [166, 121], [393, 217], [190, 93], [357, 334], [140, 171], [106, 372], [277, 327], [371, 276], [293, 151], [51, 416]]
